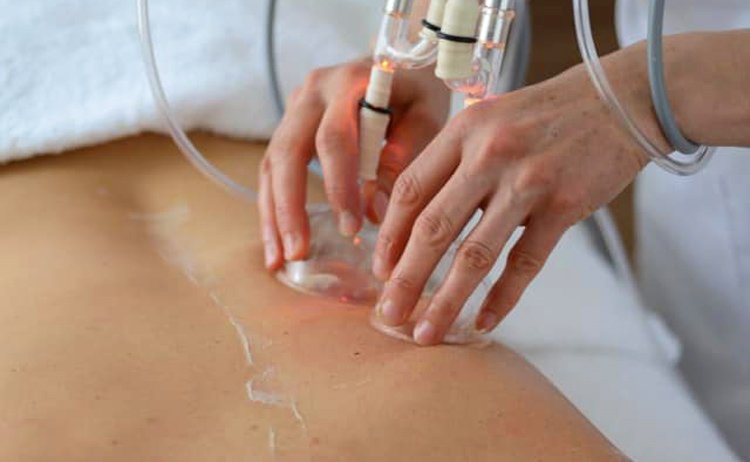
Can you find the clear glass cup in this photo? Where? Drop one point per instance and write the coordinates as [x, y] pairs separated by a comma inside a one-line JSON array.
[[338, 267]]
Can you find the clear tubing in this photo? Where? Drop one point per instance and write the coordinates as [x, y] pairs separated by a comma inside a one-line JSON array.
[[393, 44], [393, 51], [489, 54], [487, 67], [658, 84], [599, 78], [179, 136]]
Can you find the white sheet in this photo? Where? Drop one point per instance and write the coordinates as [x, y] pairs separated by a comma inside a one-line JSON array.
[[71, 75], [591, 337]]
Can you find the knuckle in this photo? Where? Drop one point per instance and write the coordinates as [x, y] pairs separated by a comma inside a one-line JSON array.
[[314, 79], [532, 180], [403, 282], [475, 255], [337, 192], [294, 97], [434, 227], [384, 244], [329, 139], [390, 167], [462, 124], [477, 176], [567, 201], [475, 112], [484, 161], [265, 165], [524, 263], [406, 191], [505, 143], [353, 71]]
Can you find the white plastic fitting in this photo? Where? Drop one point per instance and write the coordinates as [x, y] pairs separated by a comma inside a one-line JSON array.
[[379, 87], [435, 13], [455, 59], [373, 124]]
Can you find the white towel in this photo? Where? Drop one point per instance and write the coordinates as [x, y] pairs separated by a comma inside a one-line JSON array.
[[71, 72]]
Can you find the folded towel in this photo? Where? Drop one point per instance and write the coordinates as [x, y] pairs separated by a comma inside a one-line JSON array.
[[71, 72]]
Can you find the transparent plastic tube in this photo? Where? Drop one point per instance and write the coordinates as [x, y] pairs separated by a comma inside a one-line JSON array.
[[489, 54], [393, 44], [393, 51], [487, 68], [601, 82], [658, 85], [179, 136]]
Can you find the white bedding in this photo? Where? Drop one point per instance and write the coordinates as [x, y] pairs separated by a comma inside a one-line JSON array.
[[71, 75], [591, 337]]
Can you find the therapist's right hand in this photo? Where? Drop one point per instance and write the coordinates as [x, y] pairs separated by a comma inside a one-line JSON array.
[[322, 118]]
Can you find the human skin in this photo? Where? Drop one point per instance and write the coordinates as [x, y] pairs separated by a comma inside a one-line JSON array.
[[121, 274], [321, 118], [544, 158]]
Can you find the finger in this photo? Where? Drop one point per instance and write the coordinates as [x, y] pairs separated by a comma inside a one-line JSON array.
[[409, 135], [415, 187], [269, 231], [411, 132], [524, 262], [434, 231], [289, 152], [474, 259], [337, 146]]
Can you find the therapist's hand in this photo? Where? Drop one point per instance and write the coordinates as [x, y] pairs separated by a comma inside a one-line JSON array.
[[322, 117], [544, 158]]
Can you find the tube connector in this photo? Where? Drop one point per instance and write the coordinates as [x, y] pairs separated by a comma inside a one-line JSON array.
[[433, 21], [457, 40], [374, 117]]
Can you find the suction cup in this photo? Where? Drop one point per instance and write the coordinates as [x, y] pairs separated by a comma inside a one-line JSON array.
[[337, 267]]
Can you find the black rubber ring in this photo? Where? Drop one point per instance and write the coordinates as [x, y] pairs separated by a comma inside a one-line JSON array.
[[428, 25], [380, 110], [455, 38]]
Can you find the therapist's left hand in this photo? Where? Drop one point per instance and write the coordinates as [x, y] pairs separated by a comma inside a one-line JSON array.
[[544, 158]]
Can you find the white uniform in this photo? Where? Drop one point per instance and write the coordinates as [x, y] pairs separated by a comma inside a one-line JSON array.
[[694, 243]]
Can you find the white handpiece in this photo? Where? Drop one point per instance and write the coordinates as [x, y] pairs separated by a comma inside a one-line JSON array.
[[457, 40], [373, 121]]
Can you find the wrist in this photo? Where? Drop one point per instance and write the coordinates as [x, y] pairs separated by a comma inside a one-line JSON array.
[[707, 84], [627, 71]]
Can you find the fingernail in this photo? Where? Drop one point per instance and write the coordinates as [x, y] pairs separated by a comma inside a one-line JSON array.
[[487, 321], [271, 255], [424, 332], [348, 223], [379, 205], [292, 246], [388, 313]]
